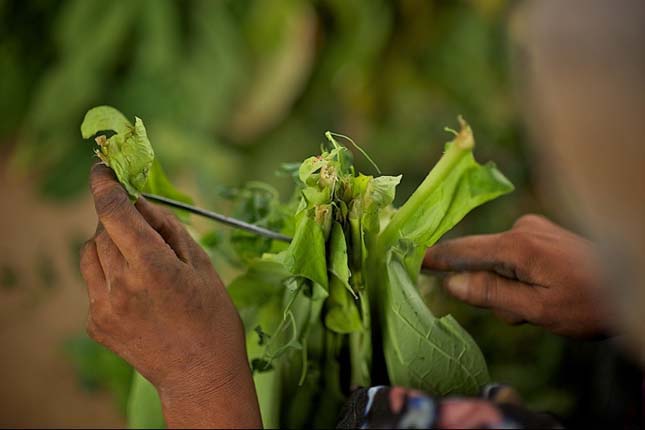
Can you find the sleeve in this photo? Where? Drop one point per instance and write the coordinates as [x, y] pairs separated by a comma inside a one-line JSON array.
[[499, 406]]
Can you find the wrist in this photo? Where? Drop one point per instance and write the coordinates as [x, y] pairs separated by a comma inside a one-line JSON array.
[[207, 397], [205, 401]]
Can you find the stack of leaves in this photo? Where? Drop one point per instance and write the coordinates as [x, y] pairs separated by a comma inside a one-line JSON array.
[[338, 307]]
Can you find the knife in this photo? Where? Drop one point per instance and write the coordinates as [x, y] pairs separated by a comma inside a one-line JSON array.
[[233, 222]]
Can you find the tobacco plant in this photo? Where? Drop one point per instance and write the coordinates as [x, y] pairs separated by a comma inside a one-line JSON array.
[[337, 307]]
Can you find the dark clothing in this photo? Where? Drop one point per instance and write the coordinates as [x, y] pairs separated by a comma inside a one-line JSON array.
[[395, 407]]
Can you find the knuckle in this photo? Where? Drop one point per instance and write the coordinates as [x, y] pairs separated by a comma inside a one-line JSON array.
[[509, 240], [528, 220], [530, 247], [522, 246], [94, 331], [99, 317]]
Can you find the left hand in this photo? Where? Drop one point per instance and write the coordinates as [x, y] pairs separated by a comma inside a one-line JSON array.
[[536, 272]]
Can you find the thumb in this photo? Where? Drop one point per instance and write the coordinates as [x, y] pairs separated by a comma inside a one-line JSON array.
[[488, 290], [129, 231]]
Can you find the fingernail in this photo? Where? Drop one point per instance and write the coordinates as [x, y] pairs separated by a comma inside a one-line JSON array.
[[457, 284]]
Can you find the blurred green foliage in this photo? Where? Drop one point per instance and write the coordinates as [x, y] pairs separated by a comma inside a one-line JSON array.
[[229, 90], [99, 368]]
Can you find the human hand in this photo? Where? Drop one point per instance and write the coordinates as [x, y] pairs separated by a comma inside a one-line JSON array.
[[156, 300], [536, 272]]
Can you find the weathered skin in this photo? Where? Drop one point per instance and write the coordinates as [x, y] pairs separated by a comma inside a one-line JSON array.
[[156, 301], [535, 272]]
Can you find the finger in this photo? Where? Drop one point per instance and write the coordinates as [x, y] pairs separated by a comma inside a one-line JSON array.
[[539, 225], [128, 229], [494, 252], [92, 273], [167, 225], [488, 290], [509, 317], [531, 222], [111, 259]]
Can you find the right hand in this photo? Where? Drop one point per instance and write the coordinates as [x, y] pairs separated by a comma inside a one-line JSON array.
[[536, 272], [156, 300]]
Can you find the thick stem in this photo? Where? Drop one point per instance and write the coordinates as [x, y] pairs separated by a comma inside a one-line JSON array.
[[360, 347]]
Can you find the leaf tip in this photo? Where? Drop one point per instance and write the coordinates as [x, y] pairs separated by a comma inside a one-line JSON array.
[[464, 139]]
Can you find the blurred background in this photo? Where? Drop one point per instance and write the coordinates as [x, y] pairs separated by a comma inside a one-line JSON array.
[[230, 90]]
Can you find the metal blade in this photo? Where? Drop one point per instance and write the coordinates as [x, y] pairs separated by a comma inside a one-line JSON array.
[[233, 222]]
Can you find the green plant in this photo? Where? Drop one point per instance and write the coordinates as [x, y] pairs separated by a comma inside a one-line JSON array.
[[324, 312]]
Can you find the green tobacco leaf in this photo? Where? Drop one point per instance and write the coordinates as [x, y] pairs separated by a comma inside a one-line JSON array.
[[379, 193], [342, 314], [256, 294], [360, 345], [308, 167], [478, 185], [158, 183], [305, 256], [144, 406], [267, 383], [432, 354], [128, 152], [267, 387], [263, 281], [258, 204], [467, 186], [337, 258], [456, 185], [104, 118], [421, 351]]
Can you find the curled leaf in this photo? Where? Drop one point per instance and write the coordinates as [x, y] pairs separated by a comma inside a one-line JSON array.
[[127, 151]]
